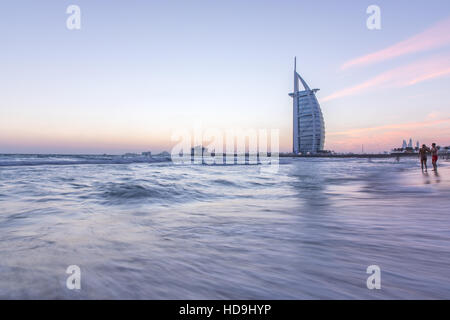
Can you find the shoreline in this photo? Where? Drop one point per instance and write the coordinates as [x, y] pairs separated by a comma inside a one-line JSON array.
[[363, 156], [443, 156]]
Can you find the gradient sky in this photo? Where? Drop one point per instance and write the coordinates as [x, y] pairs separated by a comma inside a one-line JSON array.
[[138, 70]]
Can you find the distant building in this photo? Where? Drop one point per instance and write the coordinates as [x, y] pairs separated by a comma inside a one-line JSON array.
[[164, 154], [130, 154], [404, 145], [410, 143], [407, 147], [308, 124]]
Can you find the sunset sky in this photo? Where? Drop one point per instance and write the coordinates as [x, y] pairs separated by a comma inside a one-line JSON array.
[[138, 70]]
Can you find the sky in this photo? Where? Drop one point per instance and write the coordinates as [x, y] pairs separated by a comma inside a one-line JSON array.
[[137, 71]]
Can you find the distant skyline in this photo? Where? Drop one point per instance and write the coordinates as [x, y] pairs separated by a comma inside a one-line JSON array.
[[137, 71]]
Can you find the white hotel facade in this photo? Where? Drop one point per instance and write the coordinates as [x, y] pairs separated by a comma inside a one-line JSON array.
[[308, 125]]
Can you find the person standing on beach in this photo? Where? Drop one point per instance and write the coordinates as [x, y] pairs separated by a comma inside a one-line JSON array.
[[423, 156], [434, 156]]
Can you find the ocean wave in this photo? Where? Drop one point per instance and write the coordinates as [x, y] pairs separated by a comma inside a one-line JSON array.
[[128, 191], [117, 193], [41, 160], [224, 182]]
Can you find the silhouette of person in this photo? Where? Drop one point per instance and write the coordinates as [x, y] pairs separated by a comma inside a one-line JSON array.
[[434, 156], [423, 156]]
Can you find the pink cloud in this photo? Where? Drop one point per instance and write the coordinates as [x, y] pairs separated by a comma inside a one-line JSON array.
[[414, 73], [398, 126], [429, 76], [435, 37], [386, 137]]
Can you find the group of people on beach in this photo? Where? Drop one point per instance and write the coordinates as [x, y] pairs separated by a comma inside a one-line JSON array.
[[423, 153]]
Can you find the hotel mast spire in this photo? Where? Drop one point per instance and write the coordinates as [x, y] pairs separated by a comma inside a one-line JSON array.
[[295, 76]]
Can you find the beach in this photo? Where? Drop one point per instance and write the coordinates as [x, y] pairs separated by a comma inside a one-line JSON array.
[[153, 230]]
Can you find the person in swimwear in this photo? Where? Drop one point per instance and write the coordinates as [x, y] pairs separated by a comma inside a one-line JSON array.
[[434, 156], [423, 156]]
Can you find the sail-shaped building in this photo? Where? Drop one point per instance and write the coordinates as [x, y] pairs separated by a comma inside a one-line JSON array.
[[308, 126]]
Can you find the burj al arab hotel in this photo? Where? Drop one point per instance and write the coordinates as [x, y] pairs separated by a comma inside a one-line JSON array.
[[308, 126]]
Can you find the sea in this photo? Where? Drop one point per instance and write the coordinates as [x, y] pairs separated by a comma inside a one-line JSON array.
[[146, 228]]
